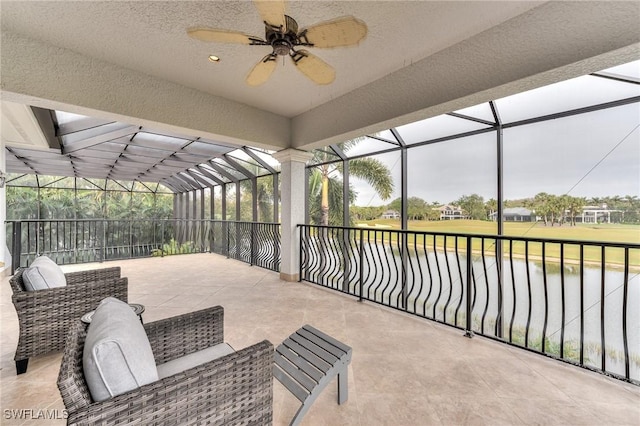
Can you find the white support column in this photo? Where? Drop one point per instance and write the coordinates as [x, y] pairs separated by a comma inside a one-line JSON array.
[[293, 208]]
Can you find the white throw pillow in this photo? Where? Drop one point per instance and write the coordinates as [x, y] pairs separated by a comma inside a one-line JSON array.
[[43, 274], [117, 355]]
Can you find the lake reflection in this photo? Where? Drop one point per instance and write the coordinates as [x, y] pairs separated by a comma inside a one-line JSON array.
[[436, 287]]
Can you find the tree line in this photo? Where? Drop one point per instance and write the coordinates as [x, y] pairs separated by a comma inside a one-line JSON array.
[[25, 203], [551, 209]]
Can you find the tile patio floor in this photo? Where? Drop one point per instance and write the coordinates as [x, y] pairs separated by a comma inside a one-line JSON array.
[[405, 371]]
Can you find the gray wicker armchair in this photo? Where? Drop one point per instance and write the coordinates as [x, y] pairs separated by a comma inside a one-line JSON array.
[[44, 316], [234, 389]]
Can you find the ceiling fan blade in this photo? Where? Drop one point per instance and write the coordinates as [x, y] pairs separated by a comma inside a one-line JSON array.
[[262, 71], [272, 11], [313, 67], [219, 36], [344, 31]]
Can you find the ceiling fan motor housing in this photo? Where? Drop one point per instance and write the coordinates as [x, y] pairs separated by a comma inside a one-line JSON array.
[[282, 39], [281, 47]]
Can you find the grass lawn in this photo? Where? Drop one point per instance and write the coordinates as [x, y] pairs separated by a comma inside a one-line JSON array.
[[582, 232]]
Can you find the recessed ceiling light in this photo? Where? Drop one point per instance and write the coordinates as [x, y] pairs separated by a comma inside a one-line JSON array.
[[213, 58]]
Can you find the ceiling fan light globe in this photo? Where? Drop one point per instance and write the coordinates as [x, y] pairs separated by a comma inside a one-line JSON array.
[[281, 47]]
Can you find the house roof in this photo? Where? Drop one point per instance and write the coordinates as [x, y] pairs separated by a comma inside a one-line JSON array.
[[513, 211], [448, 207]]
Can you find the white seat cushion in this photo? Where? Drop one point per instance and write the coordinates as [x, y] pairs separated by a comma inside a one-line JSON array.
[[193, 360], [43, 274], [117, 355]]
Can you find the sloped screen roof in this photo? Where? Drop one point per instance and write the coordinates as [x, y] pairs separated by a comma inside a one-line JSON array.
[[93, 148]]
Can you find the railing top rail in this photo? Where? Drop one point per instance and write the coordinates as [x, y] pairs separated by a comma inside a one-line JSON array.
[[615, 244]]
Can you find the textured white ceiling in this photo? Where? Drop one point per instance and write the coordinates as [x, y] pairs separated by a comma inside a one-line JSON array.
[[131, 61], [149, 37]]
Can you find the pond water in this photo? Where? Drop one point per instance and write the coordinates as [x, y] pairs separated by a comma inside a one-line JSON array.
[[436, 288]]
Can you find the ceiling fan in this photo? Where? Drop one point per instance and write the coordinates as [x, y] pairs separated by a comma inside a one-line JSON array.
[[282, 34]]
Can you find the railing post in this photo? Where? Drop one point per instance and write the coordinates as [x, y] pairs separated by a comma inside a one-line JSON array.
[[344, 246], [104, 241], [253, 242], [468, 332], [404, 256], [277, 233], [302, 229], [16, 243], [217, 237], [162, 238], [361, 266], [212, 236], [75, 242], [228, 237], [499, 263], [154, 244], [238, 229], [323, 238], [39, 230]]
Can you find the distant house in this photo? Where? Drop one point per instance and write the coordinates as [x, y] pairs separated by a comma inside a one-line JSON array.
[[595, 214], [390, 214], [518, 214], [515, 214], [449, 212]]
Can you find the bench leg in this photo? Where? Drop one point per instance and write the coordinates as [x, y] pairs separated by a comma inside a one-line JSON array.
[[343, 389], [343, 394], [21, 366], [297, 418]]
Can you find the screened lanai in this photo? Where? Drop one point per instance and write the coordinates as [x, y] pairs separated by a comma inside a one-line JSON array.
[[594, 117], [473, 169], [92, 154], [483, 149]]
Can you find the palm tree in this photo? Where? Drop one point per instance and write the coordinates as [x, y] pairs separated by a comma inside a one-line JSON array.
[[89, 204], [631, 212], [325, 180], [541, 204], [264, 191], [22, 203], [575, 205], [332, 198], [491, 207]]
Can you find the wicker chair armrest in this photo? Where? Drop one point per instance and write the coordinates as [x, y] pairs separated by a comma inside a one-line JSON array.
[[235, 389], [71, 383], [79, 298], [92, 275], [177, 336], [16, 283]]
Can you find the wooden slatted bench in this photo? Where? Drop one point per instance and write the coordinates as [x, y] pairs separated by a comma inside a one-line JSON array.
[[307, 361]]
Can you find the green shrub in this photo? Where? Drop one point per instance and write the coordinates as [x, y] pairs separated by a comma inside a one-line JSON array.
[[173, 247]]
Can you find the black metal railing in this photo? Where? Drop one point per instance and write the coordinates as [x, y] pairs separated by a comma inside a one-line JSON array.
[[97, 240], [577, 301]]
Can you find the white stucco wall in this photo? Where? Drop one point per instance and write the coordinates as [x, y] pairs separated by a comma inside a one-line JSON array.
[[88, 86]]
